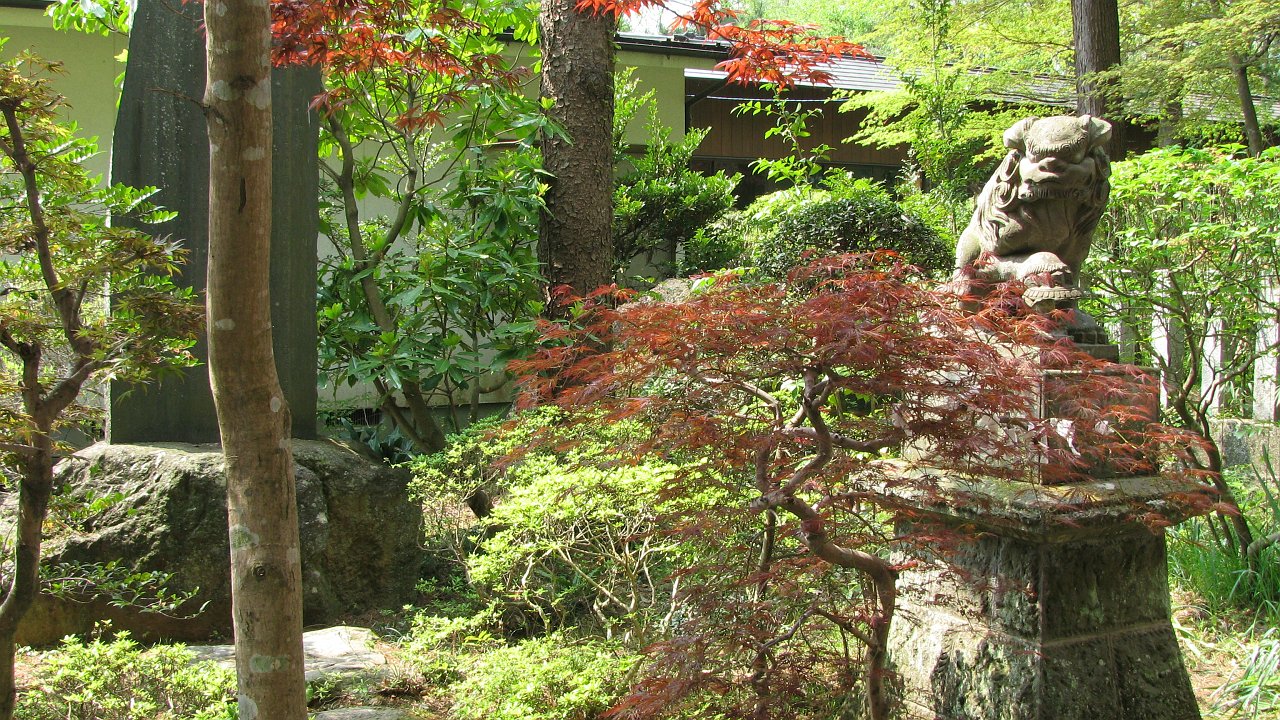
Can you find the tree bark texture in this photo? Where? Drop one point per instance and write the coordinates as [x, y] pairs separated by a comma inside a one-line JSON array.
[[1096, 32], [35, 487], [575, 242], [1248, 111], [253, 417]]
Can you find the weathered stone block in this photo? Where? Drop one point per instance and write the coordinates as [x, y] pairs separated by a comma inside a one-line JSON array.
[[1151, 680], [1077, 681], [359, 535], [1058, 608], [1094, 585]]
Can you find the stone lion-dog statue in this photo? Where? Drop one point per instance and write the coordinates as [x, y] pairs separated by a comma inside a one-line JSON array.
[[1035, 217]]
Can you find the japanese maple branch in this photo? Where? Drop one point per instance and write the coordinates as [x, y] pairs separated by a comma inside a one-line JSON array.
[[65, 301]]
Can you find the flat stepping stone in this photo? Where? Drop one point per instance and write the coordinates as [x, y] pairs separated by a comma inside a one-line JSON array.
[[342, 651], [365, 713]]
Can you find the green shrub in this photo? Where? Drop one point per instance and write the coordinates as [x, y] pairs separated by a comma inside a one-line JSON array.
[[548, 678], [437, 646], [758, 222], [714, 246], [660, 204], [571, 542], [663, 203], [572, 536], [853, 216], [467, 462], [946, 213], [475, 459], [118, 680]]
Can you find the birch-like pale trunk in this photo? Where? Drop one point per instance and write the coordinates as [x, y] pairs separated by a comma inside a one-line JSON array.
[[253, 418]]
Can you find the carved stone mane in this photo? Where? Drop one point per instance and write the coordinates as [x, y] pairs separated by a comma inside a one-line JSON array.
[[1035, 217]]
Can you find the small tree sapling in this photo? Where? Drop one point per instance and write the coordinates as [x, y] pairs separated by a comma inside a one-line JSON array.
[[60, 335]]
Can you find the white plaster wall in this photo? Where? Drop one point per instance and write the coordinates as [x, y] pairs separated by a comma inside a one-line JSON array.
[[90, 65]]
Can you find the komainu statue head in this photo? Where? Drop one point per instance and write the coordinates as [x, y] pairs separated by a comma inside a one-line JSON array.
[[1035, 217]]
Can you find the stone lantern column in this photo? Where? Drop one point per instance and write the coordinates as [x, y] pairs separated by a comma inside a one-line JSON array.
[[1058, 609]]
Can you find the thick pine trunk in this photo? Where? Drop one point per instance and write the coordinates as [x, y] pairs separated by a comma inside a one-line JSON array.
[[253, 418], [1096, 31], [575, 240]]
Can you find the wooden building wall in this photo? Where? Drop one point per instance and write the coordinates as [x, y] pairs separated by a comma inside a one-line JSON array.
[[735, 140]]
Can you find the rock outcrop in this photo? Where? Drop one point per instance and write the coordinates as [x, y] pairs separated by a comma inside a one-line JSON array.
[[359, 532]]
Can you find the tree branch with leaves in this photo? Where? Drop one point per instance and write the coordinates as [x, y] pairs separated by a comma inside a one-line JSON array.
[[60, 333]]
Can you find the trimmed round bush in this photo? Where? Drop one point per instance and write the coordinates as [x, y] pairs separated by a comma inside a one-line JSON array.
[[858, 217]]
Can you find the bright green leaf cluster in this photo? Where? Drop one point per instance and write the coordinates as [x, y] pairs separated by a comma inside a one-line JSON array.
[[424, 305], [782, 229], [659, 204], [548, 678], [1192, 243], [119, 680]]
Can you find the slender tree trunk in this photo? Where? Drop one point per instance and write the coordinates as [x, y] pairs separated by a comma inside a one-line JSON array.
[[1096, 31], [575, 243], [1170, 122], [253, 418], [35, 487], [1248, 111], [41, 401]]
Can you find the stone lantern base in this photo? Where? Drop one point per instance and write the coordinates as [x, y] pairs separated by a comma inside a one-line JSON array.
[[1058, 608]]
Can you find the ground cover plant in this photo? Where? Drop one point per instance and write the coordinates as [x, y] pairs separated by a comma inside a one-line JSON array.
[[117, 679], [1230, 605], [547, 678]]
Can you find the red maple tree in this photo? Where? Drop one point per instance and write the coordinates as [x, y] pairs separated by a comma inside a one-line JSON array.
[[808, 404], [778, 52], [347, 36]]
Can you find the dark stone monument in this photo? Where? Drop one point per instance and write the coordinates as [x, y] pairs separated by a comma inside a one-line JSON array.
[[161, 140]]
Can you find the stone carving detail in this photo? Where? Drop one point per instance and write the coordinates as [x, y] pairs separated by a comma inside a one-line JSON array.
[[1035, 217]]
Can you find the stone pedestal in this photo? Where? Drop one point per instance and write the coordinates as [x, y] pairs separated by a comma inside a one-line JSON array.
[[1057, 609]]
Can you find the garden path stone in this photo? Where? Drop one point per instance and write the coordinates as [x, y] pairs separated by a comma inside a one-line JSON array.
[[365, 713], [338, 652]]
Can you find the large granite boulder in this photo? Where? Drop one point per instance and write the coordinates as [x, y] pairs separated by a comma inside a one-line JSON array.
[[359, 529]]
